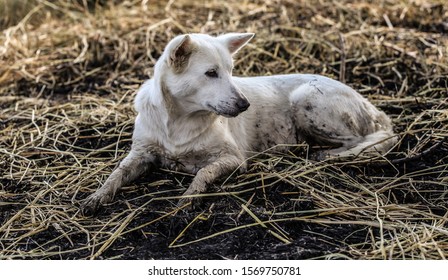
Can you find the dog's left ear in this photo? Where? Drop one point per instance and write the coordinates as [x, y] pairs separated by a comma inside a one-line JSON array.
[[235, 41]]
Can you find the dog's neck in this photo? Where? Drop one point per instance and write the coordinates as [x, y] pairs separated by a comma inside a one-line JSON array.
[[177, 124]]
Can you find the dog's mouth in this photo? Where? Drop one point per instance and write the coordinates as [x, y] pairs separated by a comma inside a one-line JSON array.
[[227, 114]]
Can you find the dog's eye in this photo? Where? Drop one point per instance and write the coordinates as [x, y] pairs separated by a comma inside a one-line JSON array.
[[211, 73]]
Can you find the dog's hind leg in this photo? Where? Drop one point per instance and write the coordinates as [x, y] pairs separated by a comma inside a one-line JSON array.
[[131, 167], [224, 165], [332, 114]]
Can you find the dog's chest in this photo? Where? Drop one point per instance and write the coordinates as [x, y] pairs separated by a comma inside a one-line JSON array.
[[185, 161]]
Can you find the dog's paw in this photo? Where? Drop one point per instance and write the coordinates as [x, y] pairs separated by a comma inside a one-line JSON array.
[[185, 202], [189, 200], [92, 204]]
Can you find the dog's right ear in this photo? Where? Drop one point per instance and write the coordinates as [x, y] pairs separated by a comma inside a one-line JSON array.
[[180, 54]]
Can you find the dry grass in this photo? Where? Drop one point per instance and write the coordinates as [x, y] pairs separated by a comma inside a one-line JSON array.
[[68, 76]]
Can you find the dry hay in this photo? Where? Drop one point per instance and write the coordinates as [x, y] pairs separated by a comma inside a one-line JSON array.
[[68, 76]]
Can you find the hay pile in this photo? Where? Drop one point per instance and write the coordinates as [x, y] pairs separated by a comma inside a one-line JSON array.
[[68, 77]]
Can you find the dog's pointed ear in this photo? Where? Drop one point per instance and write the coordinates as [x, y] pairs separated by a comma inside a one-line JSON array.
[[180, 53], [235, 41]]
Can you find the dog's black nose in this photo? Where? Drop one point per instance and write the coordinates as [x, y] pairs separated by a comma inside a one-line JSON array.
[[242, 104]]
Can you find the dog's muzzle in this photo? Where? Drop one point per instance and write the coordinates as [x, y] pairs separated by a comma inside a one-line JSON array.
[[231, 111]]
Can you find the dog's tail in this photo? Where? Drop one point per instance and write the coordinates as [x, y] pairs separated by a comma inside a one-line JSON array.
[[380, 142]]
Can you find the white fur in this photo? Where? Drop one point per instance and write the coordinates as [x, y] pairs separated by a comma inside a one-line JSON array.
[[193, 120]]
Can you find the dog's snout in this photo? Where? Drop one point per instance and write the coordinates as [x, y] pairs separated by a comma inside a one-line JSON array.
[[242, 104]]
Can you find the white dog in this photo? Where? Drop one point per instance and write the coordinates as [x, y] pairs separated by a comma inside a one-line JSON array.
[[193, 115]]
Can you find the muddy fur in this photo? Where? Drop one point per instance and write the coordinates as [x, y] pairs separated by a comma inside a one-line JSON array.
[[193, 115]]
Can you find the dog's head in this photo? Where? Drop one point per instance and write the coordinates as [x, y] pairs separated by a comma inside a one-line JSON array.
[[197, 71]]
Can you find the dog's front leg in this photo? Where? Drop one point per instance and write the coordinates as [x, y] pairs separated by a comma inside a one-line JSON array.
[[222, 166], [131, 167]]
